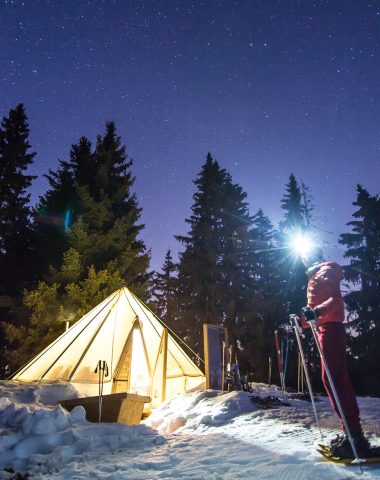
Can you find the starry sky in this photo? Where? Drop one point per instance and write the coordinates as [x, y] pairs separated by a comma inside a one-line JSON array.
[[268, 87]]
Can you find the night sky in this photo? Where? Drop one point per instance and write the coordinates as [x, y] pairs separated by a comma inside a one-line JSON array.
[[268, 87]]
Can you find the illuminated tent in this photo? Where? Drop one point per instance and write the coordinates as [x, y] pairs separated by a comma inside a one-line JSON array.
[[141, 355]]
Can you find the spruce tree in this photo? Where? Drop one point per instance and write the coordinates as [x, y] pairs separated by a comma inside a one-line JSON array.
[[291, 203], [263, 237], [237, 265], [165, 293], [298, 220], [291, 269], [266, 295], [95, 188], [107, 230], [307, 207], [104, 251], [60, 206], [363, 299], [214, 268], [18, 268], [199, 276], [17, 239]]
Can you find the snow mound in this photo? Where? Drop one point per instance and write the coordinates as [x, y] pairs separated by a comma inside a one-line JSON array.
[[34, 392], [197, 411], [41, 438], [192, 436]]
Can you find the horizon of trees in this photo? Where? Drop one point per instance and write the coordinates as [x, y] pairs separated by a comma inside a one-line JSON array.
[[234, 268]]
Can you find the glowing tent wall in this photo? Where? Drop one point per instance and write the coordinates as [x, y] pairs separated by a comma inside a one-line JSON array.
[[141, 355]]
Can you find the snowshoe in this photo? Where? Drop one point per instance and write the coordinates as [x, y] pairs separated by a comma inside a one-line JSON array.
[[335, 441], [372, 455], [343, 449]]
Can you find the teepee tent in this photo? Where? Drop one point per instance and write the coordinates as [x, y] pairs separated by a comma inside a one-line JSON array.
[[141, 355]]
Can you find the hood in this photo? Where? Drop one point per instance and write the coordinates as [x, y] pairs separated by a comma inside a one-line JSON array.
[[333, 269]]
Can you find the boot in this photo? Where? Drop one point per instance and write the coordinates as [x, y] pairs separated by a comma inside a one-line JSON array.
[[343, 449], [337, 440]]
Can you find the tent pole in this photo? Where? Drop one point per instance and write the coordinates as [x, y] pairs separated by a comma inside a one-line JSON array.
[[165, 362], [206, 353]]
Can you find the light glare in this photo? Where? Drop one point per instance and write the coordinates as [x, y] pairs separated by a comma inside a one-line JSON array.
[[302, 245]]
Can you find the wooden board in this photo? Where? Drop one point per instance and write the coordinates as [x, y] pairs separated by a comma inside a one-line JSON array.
[[124, 408]]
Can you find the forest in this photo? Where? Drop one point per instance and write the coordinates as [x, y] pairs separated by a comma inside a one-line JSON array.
[[82, 241]]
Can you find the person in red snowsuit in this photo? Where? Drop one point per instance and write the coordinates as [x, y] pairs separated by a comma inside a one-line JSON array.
[[325, 306]]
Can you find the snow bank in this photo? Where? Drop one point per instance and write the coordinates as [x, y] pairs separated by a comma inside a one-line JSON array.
[[45, 393], [199, 435], [199, 411], [36, 437]]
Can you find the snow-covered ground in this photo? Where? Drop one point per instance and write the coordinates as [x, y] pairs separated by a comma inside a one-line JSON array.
[[201, 435]]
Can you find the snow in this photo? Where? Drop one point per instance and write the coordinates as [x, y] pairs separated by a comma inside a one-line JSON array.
[[198, 435]]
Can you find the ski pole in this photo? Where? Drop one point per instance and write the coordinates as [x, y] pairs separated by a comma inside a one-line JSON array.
[[102, 368], [300, 381], [279, 359], [223, 361], [269, 370], [299, 373], [296, 327], [285, 362], [335, 393], [280, 365], [238, 372]]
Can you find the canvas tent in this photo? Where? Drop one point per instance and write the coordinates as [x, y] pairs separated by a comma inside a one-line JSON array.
[[141, 355]]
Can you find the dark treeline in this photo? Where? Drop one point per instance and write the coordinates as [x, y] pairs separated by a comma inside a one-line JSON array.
[[61, 257]]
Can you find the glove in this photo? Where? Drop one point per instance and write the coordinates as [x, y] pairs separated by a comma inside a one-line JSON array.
[[310, 315]]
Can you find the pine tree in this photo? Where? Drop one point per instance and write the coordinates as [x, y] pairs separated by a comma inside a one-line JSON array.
[[291, 203], [66, 296], [107, 230], [214, 268], [266, 294], [297, 220], [307, 207], [199, 276], [60, 206], [95, 187], [237, 262], [18, 268], [263, 236], [165, 293], [363, 300], [104, 249]]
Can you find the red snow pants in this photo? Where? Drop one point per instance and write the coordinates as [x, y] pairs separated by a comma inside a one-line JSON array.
[[332, 338]]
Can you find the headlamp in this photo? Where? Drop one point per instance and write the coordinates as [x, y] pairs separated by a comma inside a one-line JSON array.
[[302, 245]]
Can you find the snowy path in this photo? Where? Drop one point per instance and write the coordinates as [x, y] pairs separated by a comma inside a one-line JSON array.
[[213, 456], [202, 435]]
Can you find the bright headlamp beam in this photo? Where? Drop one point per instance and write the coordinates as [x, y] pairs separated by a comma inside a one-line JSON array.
[[302, 245]]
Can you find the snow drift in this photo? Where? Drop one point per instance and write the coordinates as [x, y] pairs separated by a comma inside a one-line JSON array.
[[196, 435]]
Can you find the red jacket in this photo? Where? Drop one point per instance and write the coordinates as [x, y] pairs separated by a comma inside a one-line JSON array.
[[323, 293]]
